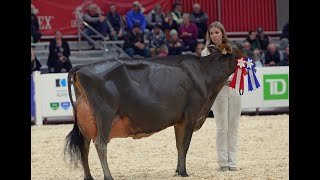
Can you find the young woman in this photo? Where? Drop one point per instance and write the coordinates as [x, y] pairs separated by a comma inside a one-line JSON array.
[[226, 107], [58, 60]]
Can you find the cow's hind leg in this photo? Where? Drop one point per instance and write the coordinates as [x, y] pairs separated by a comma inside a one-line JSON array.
[[85, 163], [183, 137], [104, 124]]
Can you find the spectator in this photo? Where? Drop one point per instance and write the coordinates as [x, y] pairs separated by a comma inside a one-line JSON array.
[[246, 48], [115, 25], [188, 33], [35, 64], [285, 61], [35, 28], [285, 31], [156, 39], [257, 59], [246, 45], [155, 16], [134, 42], [284, 42], [175, 45], [59, 52], [263, 38], [96, 20], [168, 24], [272, 57], [200, 18], [163, 51], [135, 16], [199, 48], [252, 38], [177, 13]]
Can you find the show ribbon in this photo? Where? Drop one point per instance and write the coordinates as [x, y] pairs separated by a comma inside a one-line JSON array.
[[238, 77], [253, 82]]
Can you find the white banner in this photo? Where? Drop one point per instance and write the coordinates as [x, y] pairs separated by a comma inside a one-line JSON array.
[[52, 98], [274, 90], [55, 97]]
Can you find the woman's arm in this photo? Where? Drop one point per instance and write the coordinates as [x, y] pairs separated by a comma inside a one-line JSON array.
[[66, 49]]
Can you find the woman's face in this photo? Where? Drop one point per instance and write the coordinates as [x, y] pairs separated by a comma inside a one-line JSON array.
[[215, 36], [58, 35], [186, 20]]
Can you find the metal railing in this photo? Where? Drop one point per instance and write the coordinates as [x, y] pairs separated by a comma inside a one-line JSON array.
[[81, 22]]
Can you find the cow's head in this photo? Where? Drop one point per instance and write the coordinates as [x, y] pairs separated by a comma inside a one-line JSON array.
[[225, 56]]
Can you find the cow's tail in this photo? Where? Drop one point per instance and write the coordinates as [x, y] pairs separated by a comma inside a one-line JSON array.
[[74, 140]]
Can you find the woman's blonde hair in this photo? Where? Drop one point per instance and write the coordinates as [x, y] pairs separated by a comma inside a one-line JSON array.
[[225, 39], [218, 25]]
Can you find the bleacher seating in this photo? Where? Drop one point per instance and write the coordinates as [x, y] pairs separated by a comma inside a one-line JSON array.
[[80, 53]]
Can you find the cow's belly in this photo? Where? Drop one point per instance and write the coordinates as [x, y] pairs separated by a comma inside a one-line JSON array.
[[121, 128]]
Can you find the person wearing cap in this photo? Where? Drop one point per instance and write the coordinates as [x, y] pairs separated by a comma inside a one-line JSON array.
[[134, 42], [175, 45], [155, 16], [188, 32], [156, 39], [136, 16], [96, 20], [263, 38], [177, 12], [200, 18]]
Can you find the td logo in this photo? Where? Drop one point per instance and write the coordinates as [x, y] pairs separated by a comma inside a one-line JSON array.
[[61, 82], [275, 86]]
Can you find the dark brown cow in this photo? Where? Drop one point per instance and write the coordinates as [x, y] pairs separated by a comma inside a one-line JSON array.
[[137, 98]]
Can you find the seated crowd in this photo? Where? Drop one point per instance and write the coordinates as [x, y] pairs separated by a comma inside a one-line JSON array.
[[155, 34]]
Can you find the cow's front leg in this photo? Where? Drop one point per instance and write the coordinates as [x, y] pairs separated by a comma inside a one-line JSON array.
[[104, 123], [183, 137]]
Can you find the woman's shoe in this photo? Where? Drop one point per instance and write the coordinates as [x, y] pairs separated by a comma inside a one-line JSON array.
[[224, 168], [232, 168]]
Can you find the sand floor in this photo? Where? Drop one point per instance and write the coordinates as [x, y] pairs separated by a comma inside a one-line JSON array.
[[263, 153]]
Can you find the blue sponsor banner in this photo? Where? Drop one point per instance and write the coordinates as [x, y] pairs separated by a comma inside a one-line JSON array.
[[32, 99]]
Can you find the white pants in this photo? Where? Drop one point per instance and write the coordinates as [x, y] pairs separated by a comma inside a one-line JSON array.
[[227, 111]]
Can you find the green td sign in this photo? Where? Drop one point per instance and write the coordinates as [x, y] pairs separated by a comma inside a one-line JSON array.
[[276, 86]]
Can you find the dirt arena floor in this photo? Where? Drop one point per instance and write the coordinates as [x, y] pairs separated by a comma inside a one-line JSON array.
[[263, 153]]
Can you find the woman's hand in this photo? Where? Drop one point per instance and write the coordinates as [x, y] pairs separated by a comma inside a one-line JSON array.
[[62, 59]]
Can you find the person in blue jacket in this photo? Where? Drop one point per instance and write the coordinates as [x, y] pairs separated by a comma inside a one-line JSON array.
[[135, 16]]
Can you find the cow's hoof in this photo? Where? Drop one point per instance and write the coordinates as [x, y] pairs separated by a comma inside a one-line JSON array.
[[182, 174], [89, 178], [105, 178]]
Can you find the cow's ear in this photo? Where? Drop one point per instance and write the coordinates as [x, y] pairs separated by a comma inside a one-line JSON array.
[[225, 49]]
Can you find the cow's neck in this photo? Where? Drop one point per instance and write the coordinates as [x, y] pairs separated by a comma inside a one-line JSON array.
[[216, 74]]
